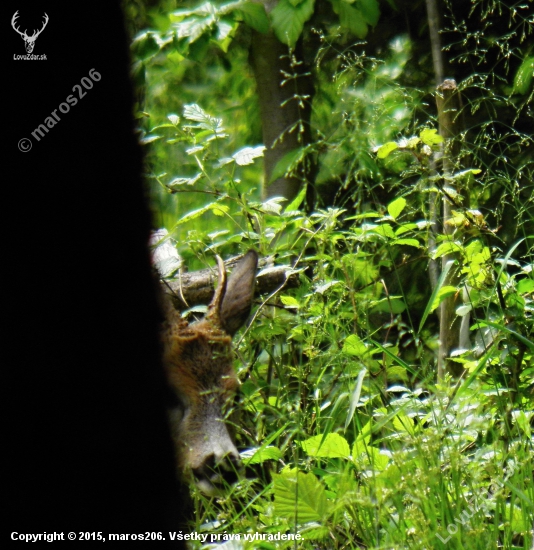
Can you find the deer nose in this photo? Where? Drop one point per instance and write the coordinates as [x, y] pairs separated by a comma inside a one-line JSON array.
[[216, 473]]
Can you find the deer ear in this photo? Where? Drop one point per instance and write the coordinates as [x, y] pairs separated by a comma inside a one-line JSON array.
[[237, 300]]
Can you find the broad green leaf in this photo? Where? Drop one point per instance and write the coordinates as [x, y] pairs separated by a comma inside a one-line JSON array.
[[246, 156], [254, 16], [385, 230], [443, 292], [273, 206], [396, 207], [430, 136], [350, 18], [525, 285], [299, 497], [405, 227], [287, 163], [194, 214], [524, 75], [370, 11], [408, 242], [177, 182], [386, 149], [448, 247], [354, 346], [195, 112], [288, 20], [367, 456], [220, 209], [404, 423], [330, 446], [257, 456]]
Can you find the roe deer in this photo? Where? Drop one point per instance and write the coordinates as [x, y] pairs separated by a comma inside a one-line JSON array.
[[199, 364]]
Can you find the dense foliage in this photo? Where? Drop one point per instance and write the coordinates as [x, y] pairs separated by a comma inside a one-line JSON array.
[[351, 438]]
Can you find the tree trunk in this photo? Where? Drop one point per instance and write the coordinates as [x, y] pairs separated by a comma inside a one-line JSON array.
[[449, 106], [285, 90]]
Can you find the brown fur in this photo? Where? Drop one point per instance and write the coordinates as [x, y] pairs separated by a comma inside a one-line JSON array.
[[199, 364]]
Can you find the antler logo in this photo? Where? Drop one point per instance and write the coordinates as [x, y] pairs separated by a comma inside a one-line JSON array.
[[29, 40]]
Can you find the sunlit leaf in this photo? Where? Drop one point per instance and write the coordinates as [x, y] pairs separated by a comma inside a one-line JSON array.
[[430, 136], [258, 456], [331, 445], [298, 496], [246, 156], [408, 242], [443, 292], [523, 77], [396, 207], [386, 149], [354, 346], [288, 20]]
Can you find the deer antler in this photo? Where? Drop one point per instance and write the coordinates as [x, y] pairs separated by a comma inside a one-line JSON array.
[[13, 20], [214, 309], [34, 35], [23, 34]]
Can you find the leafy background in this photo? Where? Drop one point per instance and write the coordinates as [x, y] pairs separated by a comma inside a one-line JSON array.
[[349, 438]]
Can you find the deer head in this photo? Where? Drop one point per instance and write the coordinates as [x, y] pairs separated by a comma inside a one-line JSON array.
[[29, 40], [199, 363]]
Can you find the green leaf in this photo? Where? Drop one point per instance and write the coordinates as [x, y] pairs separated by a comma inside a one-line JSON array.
[[289, 301], [350, 18], [466, 173], [443, 292], [524, 75], [370, 11], [367, 456], [258, 456], [194, 214], [145, 46], [220, 209], [408, 242], [385, 230], [404, 423], [430, 136], [525, 285], [447, 247], [297, 201], [354, 346], [396, 207], [288, 20], [254, 16], [355, 397], [246, 156], [386, 149], [287, 163], [439, 284], [393, 304], [299, 497], [330, 446]]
